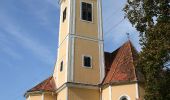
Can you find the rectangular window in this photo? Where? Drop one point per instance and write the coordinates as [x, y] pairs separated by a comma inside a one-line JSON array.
[[87, 61], [61, 66], [86, 11], [64, 14]]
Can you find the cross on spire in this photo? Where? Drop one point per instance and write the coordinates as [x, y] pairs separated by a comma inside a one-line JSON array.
[[128, 36]]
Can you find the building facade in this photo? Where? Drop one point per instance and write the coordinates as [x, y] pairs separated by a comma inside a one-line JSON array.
[[83, 71]]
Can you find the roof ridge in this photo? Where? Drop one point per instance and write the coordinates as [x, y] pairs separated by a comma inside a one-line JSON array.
[[46, 83], [130, 44], [42, 85], [116, 62], [123, 65]]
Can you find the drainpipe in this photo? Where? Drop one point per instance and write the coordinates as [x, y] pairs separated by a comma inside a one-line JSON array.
[[29, 97], [42, 96], [100, 93], [110, 92], [137, 91]]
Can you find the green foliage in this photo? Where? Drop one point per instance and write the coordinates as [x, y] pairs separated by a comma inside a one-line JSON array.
[[152, 19]]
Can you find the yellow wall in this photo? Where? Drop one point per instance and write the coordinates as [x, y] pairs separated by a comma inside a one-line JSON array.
[[62, 94], [62, 50], [82, 74], [83, 94], [46, 96], [105, 94], [49, 96], [60, 77], [120, 90], [64, 26], [84, 28], [36, 97], [86, 47]]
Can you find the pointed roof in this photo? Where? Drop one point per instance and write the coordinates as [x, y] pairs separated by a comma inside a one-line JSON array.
[[119, 67], [46, 85], [120, 64]]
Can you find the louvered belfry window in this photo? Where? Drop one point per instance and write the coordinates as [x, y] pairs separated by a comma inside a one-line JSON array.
[[86, 11], [61, 66], [64, 14], [87, 61]]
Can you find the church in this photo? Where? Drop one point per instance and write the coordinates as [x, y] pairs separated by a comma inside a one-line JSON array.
[[83, 71]]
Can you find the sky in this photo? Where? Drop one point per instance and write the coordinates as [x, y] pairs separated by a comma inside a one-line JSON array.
[[29, 38]]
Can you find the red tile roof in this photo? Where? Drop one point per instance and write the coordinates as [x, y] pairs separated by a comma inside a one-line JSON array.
[[120, 64], [46, 85], [119, 67]]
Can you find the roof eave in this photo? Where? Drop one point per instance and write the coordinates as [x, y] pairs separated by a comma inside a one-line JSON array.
[[38, 92], [119, 83]]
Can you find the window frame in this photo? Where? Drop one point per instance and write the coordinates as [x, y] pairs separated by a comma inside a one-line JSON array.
[[61, 68], [124, 96], [64, 12], [91, 3], [90, 61]]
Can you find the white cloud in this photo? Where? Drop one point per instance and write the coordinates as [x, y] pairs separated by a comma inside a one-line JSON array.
[[11, 53], [16, 31]]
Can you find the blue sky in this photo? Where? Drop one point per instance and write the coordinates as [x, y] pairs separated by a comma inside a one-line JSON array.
[[29, 36]]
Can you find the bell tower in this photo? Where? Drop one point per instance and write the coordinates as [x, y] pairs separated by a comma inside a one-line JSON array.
[[80, 61]]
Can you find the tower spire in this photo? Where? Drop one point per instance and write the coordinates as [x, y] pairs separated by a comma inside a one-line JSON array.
[[128, 36]]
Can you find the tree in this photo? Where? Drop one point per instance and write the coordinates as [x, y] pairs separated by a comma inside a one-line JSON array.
[[152, 19]]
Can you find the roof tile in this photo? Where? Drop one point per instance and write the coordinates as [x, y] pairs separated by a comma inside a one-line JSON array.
[[46, 85], [121, 64]]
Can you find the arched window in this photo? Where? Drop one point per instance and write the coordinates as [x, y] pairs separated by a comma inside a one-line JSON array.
[[124, 98]]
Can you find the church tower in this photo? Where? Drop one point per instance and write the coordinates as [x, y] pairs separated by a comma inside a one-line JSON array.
[[80, 66], [80, 62]]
